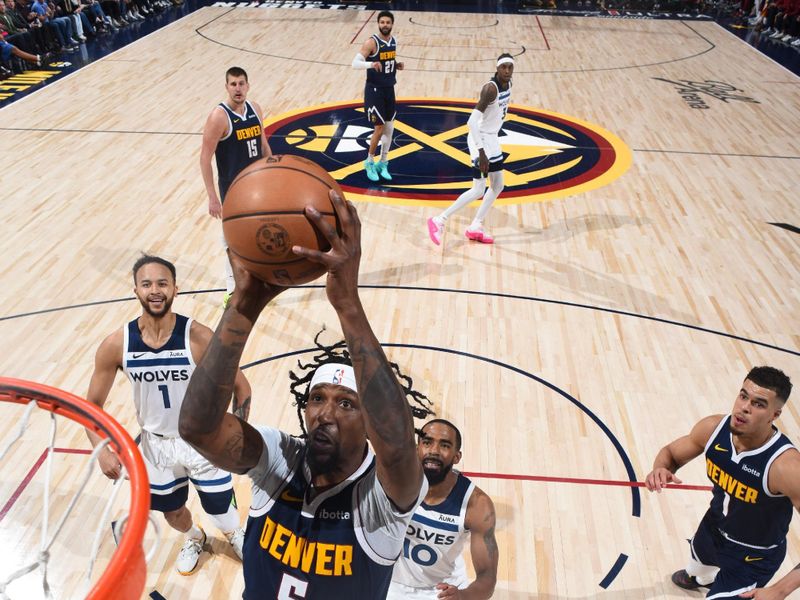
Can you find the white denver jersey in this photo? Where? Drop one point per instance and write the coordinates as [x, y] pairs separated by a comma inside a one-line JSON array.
[[495, 113], [434, 544], [159, 376]]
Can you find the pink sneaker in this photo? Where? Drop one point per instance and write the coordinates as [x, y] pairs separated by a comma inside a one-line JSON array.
[[479, 235], [435, 229]]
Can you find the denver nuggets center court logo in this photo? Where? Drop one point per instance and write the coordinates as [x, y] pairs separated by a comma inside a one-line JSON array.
[[548, 155], [272, 239]]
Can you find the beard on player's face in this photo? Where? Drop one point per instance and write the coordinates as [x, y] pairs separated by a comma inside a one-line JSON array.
[[435, 470], [385, 29], [165, 304]]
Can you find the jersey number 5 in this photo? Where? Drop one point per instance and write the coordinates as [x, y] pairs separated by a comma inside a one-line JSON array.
[[252, 148], [292, 588]]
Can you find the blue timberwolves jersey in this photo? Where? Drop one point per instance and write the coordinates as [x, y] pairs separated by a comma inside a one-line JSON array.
[[159, 376], [386, 54], [240, 147], [340, 545], [745, 510], [434, 544]]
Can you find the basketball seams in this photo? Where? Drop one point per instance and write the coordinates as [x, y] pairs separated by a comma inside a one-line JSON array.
[[274, 212]]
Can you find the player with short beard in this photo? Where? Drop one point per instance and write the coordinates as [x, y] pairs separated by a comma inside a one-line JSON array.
[[454, 511], [158, 352]]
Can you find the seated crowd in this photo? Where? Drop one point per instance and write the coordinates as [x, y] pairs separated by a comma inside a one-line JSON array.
[[31, 31]]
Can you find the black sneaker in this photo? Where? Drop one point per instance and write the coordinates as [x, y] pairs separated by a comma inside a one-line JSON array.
[[688, 582]]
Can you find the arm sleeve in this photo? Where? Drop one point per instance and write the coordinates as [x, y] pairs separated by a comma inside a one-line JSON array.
[[381, 524], [359, 62], [474, 124], [275, 467]]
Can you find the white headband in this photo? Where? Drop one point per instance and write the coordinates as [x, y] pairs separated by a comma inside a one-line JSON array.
[[336, 373], [504, 60]]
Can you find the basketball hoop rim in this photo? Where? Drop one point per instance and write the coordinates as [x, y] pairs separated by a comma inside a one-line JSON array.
[[127, 562]]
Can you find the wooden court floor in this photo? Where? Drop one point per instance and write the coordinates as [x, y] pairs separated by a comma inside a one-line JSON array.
[[599, 327]]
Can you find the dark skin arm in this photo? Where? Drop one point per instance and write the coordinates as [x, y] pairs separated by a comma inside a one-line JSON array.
[[223, 438], [387, 416], [480, 520], [488, 95]]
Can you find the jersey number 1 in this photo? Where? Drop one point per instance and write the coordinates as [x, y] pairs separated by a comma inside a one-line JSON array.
[[164, 395], [252, 148]]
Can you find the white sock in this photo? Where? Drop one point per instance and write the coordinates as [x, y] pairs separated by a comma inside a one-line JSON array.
[[226, 522], [194, 533], [704, 574]]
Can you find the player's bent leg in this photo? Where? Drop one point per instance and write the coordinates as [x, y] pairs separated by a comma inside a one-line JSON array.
[[476, 231], [215, 489]]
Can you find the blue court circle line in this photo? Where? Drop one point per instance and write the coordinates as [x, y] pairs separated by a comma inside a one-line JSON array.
[[635, 495]]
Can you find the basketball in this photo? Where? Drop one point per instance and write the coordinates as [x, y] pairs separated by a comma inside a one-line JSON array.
[[262, 217]]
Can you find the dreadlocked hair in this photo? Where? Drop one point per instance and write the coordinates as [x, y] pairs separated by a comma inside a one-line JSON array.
[[337, 353]]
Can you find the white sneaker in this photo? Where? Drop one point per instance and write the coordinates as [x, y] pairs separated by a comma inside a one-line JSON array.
[[189, 555], [786, 38], [236, 538], [796, 42]]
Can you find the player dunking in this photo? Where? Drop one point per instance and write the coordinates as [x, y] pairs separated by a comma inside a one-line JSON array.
[[234, 135], [379, 56], [454, 511], [487, 158], [755, 471], [158, 352], [328, 515]]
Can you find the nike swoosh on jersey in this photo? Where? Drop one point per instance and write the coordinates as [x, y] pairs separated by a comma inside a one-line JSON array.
[[236, 120], [749, 558], [289, 498], [720, 448], [140, 355]]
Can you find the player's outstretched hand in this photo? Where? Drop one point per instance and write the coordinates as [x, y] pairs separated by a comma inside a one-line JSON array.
[[342, 260], [658, 479], [251, 294]]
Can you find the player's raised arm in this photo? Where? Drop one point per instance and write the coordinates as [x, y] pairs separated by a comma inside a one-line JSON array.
[[107, 361], [386, 412], [224, 439], [679, 452]]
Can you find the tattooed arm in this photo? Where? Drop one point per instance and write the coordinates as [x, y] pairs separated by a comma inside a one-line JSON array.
[[387, 416], [784, 478], [225, 439], [200, 339], [480, 521]]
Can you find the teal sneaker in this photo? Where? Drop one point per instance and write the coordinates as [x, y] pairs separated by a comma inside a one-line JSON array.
[[369, 167], [383, 170]]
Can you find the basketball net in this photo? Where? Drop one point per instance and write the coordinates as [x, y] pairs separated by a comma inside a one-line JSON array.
[[49, 533]]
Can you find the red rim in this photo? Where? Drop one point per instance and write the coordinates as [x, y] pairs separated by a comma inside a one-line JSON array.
[[125, 575]]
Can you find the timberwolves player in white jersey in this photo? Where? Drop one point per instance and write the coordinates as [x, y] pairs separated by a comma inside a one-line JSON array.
[[157, 351], [755, 472], [234, 134], [454, 511], [487, 158]]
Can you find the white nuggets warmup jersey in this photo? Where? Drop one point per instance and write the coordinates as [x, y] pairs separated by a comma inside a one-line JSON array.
[[495, 113], [435, 537], [159, 376]]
